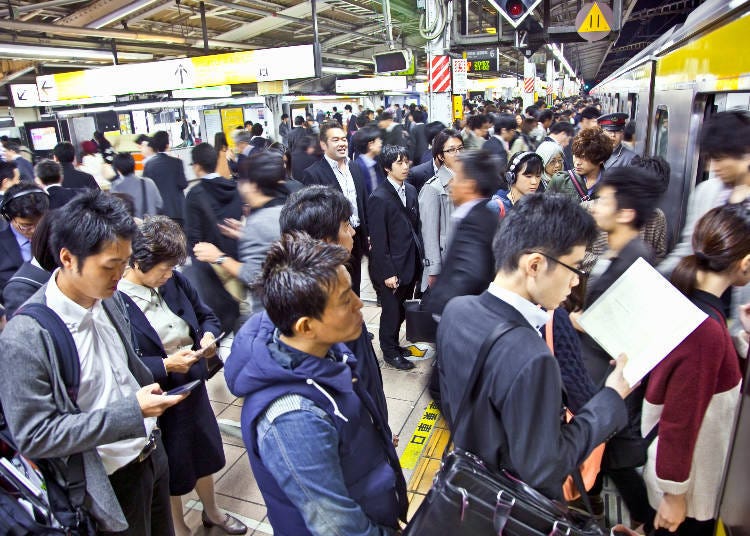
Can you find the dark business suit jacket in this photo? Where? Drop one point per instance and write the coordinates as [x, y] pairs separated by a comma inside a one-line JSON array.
[[59, 195], [394, 250], [168, 174], [25, 169], [419, 139], [364, 171], [321, 173], [513, 417], [75, 178], [420, 174], [469, 265], [294, 135], [495, 146], [189, 430], [10, 256]]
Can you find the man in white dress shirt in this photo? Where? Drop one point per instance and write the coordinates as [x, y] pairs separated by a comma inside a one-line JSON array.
[[113, 422]]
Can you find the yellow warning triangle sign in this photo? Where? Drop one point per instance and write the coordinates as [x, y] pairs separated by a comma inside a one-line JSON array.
[[595, 21]]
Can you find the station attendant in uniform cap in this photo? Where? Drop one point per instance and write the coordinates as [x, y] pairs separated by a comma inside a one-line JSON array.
[[614, 127]]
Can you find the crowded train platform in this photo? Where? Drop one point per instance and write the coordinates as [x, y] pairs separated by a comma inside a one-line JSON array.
[[358, 268]]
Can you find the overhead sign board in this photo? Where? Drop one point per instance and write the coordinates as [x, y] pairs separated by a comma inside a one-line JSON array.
[[375, 83], [482, 61], [203, 92], [218, 69], [594, 21], [24, 95], [459, 76]]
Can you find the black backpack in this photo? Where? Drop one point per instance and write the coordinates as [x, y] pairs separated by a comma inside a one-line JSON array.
[[65, 481]]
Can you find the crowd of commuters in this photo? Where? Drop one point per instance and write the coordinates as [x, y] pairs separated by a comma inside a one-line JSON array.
[[507, 218]]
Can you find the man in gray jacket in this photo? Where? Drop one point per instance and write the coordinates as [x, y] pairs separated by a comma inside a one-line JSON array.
[[113, 424], [146, 197]]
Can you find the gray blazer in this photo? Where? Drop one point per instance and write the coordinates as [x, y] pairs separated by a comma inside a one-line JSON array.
[[261, 229], [42, 417], [435, 209]]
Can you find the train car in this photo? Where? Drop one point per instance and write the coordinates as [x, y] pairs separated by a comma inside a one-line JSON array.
[[691, 72]]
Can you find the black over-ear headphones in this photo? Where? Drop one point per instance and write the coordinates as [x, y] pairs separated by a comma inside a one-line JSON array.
[[7, 200], [512, 174]]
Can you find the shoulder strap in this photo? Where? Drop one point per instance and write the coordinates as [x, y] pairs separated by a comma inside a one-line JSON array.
[[581, 191], [476, 371], [65, 346], [143, 196]]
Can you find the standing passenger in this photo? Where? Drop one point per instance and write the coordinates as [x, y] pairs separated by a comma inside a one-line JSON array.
[[65, 154], [614, 127], [145, 194], [168, 173]]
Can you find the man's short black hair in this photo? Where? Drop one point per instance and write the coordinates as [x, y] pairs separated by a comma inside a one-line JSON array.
[[40, 249], [483, 167], [390, 154], [431, 129], [266, 170], [257, 129], [284, 116], [657, 166], [550, 223], [590, 112], [505, 121], [562, 126], [64, 152], [248, 123], [325, 127], [725, 134], [297, 277], [159, 141], [545, 115], [477, 121], [362, 138], [88, 222], [417, 116], [32, 205], [12, 146], [348, 107], [441, 138], [635, 188], [299, 120], [48, 171], [124, 163], [205, 156], [316, 210], [7, 170]]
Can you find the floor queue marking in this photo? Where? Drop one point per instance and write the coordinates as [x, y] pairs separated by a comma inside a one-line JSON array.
[[418, 439]]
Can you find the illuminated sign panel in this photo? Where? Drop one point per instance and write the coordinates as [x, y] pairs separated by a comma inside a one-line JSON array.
[[375, 83], [482, 61], [219, 69]]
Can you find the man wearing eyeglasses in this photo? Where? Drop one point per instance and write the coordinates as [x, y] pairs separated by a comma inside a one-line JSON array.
[[23, 206], [512, 419]]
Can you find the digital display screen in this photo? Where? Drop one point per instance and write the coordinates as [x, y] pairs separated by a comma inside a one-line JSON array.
[[43, 138], [390, 62], [479, 66]]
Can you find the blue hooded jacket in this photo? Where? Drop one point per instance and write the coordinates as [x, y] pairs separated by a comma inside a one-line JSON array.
[[369, 463]]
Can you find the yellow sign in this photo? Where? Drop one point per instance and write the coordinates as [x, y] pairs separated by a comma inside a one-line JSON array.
[[231, 118], [594, 21], [418, 440], [458, 107]]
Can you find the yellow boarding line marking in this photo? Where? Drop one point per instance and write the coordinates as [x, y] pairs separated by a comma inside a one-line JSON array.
[[418, 439]]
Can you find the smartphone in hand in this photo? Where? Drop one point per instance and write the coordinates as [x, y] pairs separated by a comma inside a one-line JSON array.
[[200, 352], [184, 388]]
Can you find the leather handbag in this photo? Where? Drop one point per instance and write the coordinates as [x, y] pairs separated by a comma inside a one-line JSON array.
[[468, 499], [420, 325]]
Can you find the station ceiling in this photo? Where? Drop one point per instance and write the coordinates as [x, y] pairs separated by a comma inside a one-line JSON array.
[[53, 35]]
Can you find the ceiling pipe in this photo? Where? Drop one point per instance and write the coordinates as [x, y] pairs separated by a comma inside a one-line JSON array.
[[18, 26], [6, 79], [120, 13]]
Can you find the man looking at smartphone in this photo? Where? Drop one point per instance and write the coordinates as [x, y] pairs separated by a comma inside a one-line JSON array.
[[113, 423]]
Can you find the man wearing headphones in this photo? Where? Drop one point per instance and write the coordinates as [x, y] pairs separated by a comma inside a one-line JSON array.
[[23, 206]]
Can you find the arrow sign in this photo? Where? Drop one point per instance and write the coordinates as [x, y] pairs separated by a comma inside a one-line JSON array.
[[24, 95], [21, 95]]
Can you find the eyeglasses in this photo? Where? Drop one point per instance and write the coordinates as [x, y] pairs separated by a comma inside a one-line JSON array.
[[454, 150], [24, 227], [580, 273]]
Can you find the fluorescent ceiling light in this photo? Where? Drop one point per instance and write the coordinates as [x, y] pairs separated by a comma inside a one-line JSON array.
[[39, 52], [339, 70]]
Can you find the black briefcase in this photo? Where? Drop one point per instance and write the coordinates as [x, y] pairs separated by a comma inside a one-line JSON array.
[[420, 326]]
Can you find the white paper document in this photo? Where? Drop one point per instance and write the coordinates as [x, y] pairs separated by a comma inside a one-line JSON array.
[[643, 316]]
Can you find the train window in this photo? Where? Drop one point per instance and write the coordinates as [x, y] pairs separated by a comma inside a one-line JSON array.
[[661, 141]]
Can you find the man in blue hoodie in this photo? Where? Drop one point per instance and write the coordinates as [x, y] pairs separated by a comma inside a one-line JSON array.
[[318, 443]]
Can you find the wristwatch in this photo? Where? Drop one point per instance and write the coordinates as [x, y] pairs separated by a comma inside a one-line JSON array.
[[220, 260]]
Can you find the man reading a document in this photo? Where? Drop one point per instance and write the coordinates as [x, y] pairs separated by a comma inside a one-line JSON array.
[[514, 419]]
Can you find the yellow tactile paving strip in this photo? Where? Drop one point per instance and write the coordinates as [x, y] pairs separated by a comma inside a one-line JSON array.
[[427, 465]]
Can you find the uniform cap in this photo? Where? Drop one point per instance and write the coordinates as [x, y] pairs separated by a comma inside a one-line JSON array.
[[614, 121]]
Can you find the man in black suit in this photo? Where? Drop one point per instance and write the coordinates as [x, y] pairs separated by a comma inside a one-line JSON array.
[[418, 134], [504, 131], [168, 173], [23, 206], [49, 174], [296, 133], [65, 154], [397, 251], [469, 266], [335, 169]]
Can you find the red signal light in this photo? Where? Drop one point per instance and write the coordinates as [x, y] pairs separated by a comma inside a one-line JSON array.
[[515, 8]]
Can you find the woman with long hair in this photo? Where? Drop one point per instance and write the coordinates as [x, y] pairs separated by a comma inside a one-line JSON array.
[[693, 394]]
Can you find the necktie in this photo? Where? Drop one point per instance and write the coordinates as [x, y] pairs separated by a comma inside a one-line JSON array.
[[402, 194]]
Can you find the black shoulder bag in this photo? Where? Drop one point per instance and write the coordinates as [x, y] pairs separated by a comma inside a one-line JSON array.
[[468, 499]]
